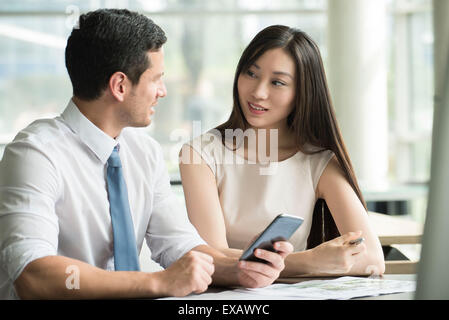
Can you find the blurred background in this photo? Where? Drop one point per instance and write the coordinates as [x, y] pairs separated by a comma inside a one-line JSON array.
[[378, 56]]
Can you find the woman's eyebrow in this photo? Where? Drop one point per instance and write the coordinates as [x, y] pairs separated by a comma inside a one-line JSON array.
[[276, 72], [283, 73]]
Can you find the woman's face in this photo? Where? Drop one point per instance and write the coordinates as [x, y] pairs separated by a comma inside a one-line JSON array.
[[267, 90]]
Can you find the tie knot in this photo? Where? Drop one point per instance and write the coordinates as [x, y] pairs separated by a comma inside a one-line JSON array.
[[114, 159]]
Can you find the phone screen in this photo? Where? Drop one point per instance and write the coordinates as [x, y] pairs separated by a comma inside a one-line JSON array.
[[281, 228]]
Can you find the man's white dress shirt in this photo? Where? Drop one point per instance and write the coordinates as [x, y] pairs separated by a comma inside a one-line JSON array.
[[54, 201]]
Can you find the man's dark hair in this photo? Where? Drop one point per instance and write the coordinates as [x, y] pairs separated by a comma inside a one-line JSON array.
[[106, 41]]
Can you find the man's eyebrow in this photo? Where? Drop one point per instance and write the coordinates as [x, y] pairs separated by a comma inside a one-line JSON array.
[[275, 72]]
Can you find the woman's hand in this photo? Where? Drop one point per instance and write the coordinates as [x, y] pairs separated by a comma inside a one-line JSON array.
[[257, 274], [337, 255]]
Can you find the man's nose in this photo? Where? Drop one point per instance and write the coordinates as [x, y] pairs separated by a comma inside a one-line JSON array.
[[162, 91]]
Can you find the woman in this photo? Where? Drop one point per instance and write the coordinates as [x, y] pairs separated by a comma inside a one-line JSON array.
[[282, 113]]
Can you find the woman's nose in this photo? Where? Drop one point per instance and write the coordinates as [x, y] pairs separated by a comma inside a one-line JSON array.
[[260, 91]]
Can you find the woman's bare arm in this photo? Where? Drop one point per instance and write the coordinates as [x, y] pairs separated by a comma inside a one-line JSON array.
[[202, 201], [349, 216]]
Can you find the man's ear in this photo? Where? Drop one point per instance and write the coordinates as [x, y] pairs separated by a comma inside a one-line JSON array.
[[119, 85]]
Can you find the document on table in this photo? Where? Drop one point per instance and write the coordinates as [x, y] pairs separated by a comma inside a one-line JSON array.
[[339, 289], [336, 289]]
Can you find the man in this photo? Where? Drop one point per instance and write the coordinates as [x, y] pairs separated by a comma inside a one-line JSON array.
[[79, 193]]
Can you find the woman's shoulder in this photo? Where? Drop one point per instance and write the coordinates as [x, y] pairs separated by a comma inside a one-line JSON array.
[[315, 153], [206, 146], [317, 159], [206, 141]]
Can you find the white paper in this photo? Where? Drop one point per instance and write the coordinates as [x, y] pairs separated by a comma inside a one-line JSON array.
[[336, 289], [340, 288]]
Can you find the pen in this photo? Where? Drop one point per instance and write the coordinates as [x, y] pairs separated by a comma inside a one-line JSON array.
[[356, 241]]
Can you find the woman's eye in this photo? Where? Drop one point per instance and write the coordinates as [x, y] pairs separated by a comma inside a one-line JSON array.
[[278, 83], [250, 73]]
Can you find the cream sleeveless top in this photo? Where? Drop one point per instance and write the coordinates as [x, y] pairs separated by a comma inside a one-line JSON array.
[[253, 194]]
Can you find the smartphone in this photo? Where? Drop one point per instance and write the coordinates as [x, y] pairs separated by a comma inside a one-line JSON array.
[[280, 229]]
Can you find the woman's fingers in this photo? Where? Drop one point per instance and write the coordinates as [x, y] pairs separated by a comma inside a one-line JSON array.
[[284, 248], [357, 249], [257, 274], [347, 237]]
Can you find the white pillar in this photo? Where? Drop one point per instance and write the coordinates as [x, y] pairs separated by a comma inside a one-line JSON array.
[[433, 278], [441, 48], [357, 72]]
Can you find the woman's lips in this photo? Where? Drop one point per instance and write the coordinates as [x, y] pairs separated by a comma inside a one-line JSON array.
[[256, 109]]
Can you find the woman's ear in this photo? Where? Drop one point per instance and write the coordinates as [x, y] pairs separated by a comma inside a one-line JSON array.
[[118, 85]]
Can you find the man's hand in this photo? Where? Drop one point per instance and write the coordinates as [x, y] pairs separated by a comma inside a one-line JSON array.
[[256, 274], [192, 273]]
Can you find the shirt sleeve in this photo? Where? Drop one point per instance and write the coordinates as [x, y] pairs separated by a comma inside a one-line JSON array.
[[28, 223], [205, 145], [318, 162], [170, 234]]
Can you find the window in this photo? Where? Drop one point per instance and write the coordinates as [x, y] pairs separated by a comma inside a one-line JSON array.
[[205, 40], [411, 90]]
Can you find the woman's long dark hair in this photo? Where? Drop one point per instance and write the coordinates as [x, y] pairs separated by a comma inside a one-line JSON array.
[[312, 121]]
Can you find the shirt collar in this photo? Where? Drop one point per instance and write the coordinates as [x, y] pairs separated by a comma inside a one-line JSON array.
[[96, 140]]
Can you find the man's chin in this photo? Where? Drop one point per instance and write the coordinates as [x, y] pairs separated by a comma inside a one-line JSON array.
[[146, 123], [140, 124]]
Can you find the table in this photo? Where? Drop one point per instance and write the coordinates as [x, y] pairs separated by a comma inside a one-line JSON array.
[[394, 230]]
